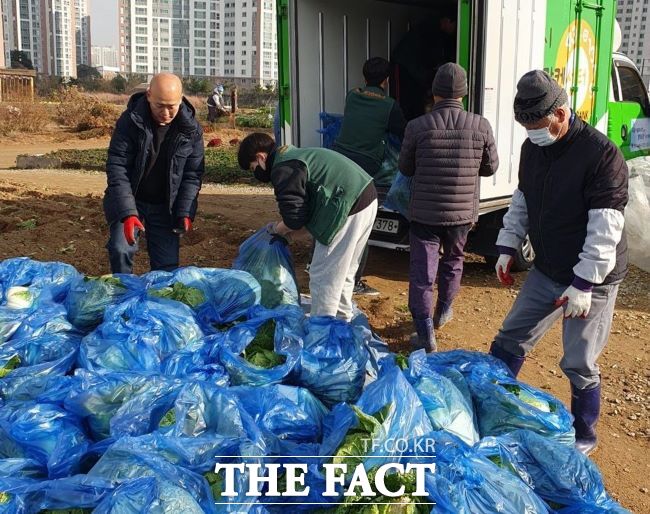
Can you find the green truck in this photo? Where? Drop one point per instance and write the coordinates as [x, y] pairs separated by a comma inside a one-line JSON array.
[[322, 45]]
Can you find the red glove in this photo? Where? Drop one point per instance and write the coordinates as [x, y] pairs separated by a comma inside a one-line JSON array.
[[183, 225], [131, 224], [503, 269]]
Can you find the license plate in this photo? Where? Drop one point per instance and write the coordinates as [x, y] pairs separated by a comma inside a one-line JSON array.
[[385, 225]]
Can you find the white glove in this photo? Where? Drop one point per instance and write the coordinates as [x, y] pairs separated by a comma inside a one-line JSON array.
[[577, 302], [503, 269]]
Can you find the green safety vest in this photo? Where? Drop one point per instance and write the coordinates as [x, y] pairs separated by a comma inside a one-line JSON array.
[[365, 122], [334, 184]]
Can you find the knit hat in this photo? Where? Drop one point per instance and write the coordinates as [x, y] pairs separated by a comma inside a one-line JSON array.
[[538, 95], [450, 81]]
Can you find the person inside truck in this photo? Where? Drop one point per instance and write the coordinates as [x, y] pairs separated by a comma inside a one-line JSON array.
[[445, 151], [417, 57], [328, 195], [370, 116], [570, 200]]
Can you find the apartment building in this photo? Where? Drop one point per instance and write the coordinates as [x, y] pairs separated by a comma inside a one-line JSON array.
[[212, 38], [45, 30], [82, 31], [22, 29], [3, 57], [105, 56], [633, 18]]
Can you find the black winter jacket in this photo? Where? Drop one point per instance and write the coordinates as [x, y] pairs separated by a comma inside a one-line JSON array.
[[446, 151], [562, 182], [127, 160]]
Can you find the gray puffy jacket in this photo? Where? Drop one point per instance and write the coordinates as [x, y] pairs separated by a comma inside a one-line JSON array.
[[446, 151]]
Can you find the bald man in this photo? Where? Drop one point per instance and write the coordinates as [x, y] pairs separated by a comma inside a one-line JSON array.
[[154, 169]]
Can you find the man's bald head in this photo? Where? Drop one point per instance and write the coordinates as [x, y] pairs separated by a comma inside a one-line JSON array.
[[165, 94]]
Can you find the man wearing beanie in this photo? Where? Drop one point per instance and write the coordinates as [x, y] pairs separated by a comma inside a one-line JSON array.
[[445, 151], [570, 200]]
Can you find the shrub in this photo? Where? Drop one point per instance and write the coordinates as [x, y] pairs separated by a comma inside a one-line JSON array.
[[260, 118], [23, 117], [82, 111], [220, 163]]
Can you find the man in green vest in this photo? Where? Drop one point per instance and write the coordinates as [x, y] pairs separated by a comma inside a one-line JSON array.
[[330, 196], [369, 116]]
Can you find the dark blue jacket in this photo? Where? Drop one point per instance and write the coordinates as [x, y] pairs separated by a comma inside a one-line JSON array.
[[127, 160]]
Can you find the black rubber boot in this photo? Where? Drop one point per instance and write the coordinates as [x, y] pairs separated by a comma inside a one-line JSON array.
[[585, 407], [513, 362], [424, 337], [442, 315]]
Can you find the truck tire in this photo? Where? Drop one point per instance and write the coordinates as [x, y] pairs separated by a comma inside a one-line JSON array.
[[524, 256]]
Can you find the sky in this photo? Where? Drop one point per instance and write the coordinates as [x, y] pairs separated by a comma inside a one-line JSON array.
[[104, 29]]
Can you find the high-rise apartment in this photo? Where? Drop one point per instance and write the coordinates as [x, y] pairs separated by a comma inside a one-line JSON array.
[[45, 31], [3, 22], [212, 38], [105, 56], [82, 31], [633, 18], [23, 29]]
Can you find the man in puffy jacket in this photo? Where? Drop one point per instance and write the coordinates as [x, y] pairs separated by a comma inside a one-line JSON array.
[[445, 151], [570, 201], [154, 170], [328, 195]]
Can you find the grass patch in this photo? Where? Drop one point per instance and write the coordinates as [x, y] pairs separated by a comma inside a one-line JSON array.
[[260, 118], [220, 163], [27, 224]]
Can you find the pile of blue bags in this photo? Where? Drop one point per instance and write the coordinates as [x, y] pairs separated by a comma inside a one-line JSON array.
[[118, 394]]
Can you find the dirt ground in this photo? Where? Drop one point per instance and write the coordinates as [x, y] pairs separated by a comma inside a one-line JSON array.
[[56, 215]]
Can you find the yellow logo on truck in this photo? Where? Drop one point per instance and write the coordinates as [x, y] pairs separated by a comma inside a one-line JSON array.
[[581, 48]]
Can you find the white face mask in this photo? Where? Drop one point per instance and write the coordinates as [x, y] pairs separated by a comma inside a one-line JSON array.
[[541, 137]]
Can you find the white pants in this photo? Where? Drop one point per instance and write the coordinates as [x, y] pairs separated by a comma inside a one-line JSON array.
[[333, 267]]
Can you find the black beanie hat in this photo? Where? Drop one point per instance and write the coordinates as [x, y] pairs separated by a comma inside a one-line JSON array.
[[538, 95], [450, 81]]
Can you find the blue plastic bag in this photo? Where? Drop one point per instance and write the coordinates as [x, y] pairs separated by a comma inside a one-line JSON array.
[[398, 197], [375, 347], [217, 296], [465, 361], [466, 483], [197, 453], [149, 495], [202, 408], [118, 404], [43, 318], [389, 166], [195, 365], [124, 465], [330, 127], [332, 363], [63, 494], [288, 413], [138, 335], [447, 407], [89, 297], [45, 433], [559, 474], [228, 348], [34, 366], [271, 263], [55, 277], [397, 415], [503, 404]]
